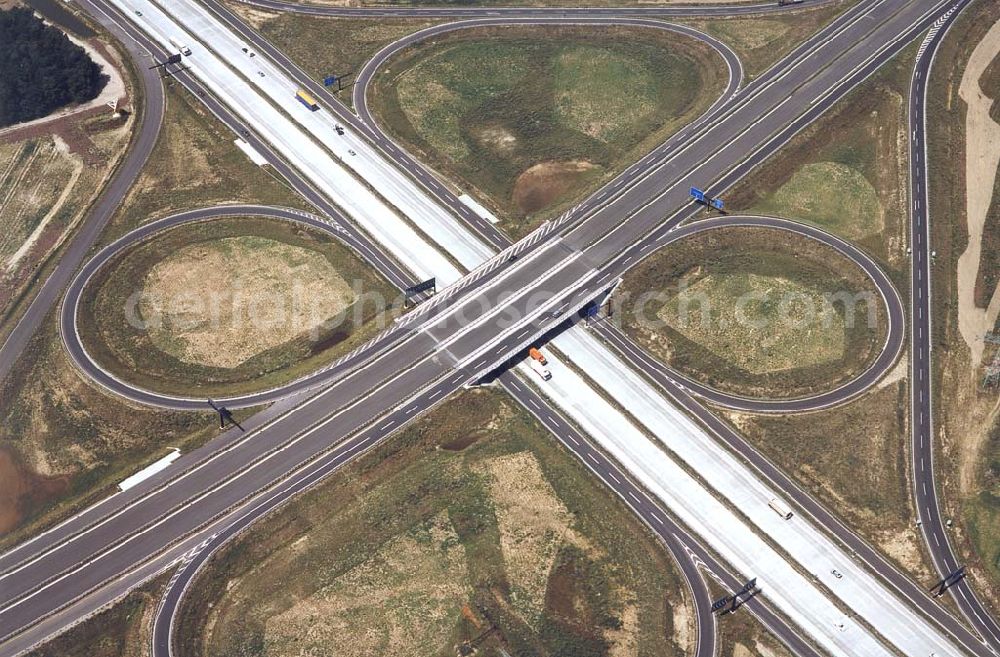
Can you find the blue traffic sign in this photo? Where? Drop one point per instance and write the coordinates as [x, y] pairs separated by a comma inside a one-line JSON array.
[[329, 80], [698, 194], [717, 203]]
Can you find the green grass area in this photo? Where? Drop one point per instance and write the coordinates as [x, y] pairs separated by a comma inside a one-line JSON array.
[[791, 325], [471, 517], [755, 311], [847, 172], [269, 311], [981, 506], [195, 163], [832, 195], [532, 117], [762, 41]]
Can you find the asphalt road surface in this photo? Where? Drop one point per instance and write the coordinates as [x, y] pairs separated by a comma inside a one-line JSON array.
[[600, 245], [149, 98], [736, 9], [921, 341]]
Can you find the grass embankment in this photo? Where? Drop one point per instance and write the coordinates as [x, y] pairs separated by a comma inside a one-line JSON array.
[[854, 459], [195, 164], [64, 442], [472, 518], [532, 117], [122, 631], [847, 172], [968, 438], [230, 305], [755, 311], [761, 41], [329, 46]]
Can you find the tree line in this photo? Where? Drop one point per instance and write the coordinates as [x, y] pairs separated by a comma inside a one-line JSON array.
[[41, 70]]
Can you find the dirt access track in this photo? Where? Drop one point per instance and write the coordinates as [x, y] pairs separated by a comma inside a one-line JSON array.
[[982, 157], [57, 122]]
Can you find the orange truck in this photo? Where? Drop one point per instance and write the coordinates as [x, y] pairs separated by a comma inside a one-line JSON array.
[[537, 355]]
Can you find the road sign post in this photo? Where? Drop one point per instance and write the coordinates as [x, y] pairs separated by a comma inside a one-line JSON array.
[[331, 80], [721, 602], [419, 288]]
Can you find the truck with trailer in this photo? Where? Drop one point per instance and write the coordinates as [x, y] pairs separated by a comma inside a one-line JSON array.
[[306, 100], [780, 508], [180, 45]]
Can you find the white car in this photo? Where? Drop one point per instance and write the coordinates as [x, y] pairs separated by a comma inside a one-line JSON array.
[[540, 369]]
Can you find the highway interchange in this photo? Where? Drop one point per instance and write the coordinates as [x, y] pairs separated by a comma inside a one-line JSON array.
[[626, 247]]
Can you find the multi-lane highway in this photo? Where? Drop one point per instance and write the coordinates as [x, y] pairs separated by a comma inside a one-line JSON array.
[[693, 9], [589, 235]]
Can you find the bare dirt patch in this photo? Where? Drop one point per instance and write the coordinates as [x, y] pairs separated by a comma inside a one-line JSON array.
[[262, 293], [982, 157], [21, 488], [497, 137], [544, 183]]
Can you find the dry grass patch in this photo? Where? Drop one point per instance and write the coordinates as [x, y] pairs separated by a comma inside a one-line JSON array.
[[404, 599], [260, 293], [760, 42], [230, 305], [533, 524], [194, 164], [754, 311], [790, 325], [36, 177], [855, 459]]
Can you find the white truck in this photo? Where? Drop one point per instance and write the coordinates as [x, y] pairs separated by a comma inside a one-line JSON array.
[[180, 45], [780, 508]]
